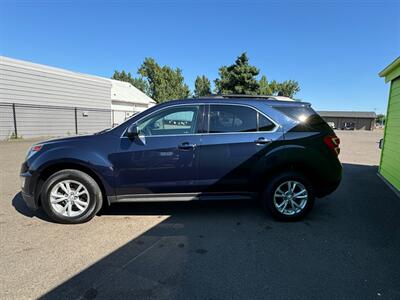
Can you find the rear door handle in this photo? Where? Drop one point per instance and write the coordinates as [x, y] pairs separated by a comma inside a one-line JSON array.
[[186, 146], [262, 141]]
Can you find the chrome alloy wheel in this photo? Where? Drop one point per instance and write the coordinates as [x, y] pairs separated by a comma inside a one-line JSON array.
[[69, 198], [290, 197]]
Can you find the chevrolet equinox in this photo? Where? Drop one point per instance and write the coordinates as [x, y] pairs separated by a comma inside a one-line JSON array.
[[214, 148]]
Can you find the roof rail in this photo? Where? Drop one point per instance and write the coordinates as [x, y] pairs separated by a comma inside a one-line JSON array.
[[265, 97], [222, 96]]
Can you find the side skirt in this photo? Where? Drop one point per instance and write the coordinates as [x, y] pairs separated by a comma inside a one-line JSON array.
[[171, 197]]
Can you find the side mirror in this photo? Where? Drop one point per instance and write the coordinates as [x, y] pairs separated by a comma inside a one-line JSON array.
[[132, 131], [380, 143]]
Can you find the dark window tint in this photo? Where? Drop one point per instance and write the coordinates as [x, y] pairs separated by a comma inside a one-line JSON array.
[[264, 124], [231, 118], [304, 114]]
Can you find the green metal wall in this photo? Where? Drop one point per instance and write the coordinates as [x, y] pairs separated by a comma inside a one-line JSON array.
[[390, 159]]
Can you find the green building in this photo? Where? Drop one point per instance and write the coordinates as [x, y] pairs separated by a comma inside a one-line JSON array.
[[390, 157]]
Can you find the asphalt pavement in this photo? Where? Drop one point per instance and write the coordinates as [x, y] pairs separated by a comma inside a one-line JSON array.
[[347, 248]]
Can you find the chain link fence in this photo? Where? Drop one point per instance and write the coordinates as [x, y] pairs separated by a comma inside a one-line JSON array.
[[29, 121]]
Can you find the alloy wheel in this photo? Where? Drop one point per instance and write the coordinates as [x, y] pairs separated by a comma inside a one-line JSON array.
[[69, 198], [290, 197]]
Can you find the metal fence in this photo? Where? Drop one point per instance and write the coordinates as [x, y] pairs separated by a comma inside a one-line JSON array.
[[28, 121]]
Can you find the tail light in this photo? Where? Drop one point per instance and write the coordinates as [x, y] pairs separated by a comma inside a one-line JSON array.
[[333, 143]]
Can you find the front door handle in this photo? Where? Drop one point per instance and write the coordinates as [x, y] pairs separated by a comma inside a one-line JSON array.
[[262, 141], [186, 146]]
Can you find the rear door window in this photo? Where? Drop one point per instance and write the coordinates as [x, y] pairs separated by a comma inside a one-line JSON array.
[[264, 124], [231, 118], [235, 118]]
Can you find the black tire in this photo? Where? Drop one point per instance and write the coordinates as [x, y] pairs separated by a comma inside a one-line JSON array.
[[277, 181], [95, 199]]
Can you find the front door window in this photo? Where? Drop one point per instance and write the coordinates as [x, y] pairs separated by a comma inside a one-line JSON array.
[[171, 121]]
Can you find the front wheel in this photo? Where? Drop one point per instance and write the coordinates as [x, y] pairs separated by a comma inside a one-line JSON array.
[[71, 196], [289, 196]]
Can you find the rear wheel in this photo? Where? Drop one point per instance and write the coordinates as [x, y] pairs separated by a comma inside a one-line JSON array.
[[288, 196], [71, 196]]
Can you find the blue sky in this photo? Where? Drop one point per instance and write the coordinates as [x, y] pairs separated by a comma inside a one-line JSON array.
[[335, 49]]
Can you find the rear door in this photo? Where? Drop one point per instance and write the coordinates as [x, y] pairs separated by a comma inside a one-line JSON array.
[[238, 138]]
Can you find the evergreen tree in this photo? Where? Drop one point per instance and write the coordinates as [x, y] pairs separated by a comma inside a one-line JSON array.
[[202, 86], [264, 88], [239, 78]]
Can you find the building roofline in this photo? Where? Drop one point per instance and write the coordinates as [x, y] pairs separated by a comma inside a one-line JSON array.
[[51, 70], [390, 71], [347, 114]]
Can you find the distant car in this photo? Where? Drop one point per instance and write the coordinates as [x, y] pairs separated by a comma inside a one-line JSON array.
[[281, 152], [331, 124], [348, 126]]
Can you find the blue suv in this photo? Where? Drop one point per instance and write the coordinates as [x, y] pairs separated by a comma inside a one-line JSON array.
[[225, 147]]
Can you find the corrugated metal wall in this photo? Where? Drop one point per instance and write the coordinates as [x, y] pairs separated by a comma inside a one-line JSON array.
[[43, 121], [91, 121], [6, 121], [390, 159], [46, 99]]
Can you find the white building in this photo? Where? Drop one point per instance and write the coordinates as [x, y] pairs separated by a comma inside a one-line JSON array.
[[126, 100], [39, 100]]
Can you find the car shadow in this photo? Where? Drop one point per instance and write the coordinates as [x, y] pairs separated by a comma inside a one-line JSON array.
[[346, 248], [20, 206]]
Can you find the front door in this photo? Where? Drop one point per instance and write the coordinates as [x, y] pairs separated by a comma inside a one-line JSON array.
[[163, 159]]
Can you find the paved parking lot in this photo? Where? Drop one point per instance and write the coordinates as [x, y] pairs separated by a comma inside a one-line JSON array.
[[348, 247]]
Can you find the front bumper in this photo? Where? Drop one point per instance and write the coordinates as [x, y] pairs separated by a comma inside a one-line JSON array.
[[30, 201], [27, 190]]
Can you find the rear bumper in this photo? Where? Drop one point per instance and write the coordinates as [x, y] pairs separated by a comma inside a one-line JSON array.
[[327, 188], [326, 185]]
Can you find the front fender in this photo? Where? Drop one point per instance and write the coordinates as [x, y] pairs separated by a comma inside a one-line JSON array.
[[73, 156]]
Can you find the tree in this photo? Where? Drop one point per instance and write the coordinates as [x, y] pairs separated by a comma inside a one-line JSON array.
[[381, 119], [264, 88], [202, 86], [140, 83], [287, 88], [239, 78], [165, 83], [274, 87], [122, 76]]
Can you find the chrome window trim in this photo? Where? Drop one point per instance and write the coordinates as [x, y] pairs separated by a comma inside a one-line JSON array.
[[207, 133]]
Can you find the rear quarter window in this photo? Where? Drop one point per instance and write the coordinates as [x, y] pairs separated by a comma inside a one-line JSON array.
[[307, 118], [304, 114]]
